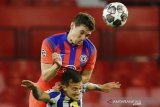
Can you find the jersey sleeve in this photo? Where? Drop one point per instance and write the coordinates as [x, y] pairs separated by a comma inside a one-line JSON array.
[[91, 61], [46, 52]]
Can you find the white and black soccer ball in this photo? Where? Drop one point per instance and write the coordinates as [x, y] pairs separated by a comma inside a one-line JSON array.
[[115, 14]]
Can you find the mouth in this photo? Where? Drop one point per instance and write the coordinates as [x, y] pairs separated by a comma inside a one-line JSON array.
[[77, 97], [80, 42]]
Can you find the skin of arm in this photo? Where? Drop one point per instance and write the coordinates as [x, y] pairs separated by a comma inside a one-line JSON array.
[[49, 71], [86, 75], [36, 91], [107, 87]]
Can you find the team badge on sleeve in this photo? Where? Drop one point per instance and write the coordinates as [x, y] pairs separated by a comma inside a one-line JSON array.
[[43, 52]]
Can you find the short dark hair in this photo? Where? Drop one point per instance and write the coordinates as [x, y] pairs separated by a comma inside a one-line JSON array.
[[71, 75], [85, 19]]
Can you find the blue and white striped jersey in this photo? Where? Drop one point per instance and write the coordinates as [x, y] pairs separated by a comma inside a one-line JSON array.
[[58, 99]]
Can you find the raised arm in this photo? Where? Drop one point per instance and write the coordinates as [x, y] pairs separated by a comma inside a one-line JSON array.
[[107, 87], [87, 72], [37, 92], [49, 71], [50, 60], [86, 75]]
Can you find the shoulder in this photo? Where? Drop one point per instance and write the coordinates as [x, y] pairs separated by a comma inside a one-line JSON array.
[[56, 37], [53, 93], [89, 43], [53, 40], [90, 46]]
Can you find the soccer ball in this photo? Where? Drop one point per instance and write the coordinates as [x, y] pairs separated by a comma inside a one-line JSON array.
[[115, 14]]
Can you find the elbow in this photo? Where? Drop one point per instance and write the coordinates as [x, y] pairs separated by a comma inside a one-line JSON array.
[[85, 79]]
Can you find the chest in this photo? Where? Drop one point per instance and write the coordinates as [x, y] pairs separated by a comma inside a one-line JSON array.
[[64, 102], [74, 57]]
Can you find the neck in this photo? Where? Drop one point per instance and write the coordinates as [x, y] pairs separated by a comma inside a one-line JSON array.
[[69, 39]]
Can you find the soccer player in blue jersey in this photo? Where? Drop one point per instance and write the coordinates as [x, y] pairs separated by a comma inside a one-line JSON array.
[[72, 90], [71, 49]]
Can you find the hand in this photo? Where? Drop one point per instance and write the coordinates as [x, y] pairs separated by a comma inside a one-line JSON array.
[[107, 87], [28, 84], [57, 58]]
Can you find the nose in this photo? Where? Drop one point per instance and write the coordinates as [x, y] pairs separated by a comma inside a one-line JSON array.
[[78, 91]]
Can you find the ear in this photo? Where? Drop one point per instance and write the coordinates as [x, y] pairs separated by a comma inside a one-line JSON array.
[[64, 87], [72, 25]]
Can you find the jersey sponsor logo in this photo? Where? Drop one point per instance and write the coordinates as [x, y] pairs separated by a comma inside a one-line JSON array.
[[43, 53], [83, 58], [74, 104]]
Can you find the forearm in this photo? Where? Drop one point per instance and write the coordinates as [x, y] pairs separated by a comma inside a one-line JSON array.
[[37, 93], [50, 72], [107, 87], [91, 86], [40, 95]]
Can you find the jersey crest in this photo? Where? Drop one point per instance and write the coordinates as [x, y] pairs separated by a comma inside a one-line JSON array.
[[83, 58]]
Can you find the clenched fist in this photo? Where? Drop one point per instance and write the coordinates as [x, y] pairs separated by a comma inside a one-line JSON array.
[[57, 58]]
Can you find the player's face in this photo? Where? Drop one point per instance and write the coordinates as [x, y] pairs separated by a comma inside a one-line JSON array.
[[74, 90], [79, 34]]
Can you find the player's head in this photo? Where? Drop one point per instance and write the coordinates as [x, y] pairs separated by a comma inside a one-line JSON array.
[[84, 19], [81, 28], [72, 84]]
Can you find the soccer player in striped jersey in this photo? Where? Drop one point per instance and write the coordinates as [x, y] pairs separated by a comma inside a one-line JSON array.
[[70, 49], [72, 90]]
